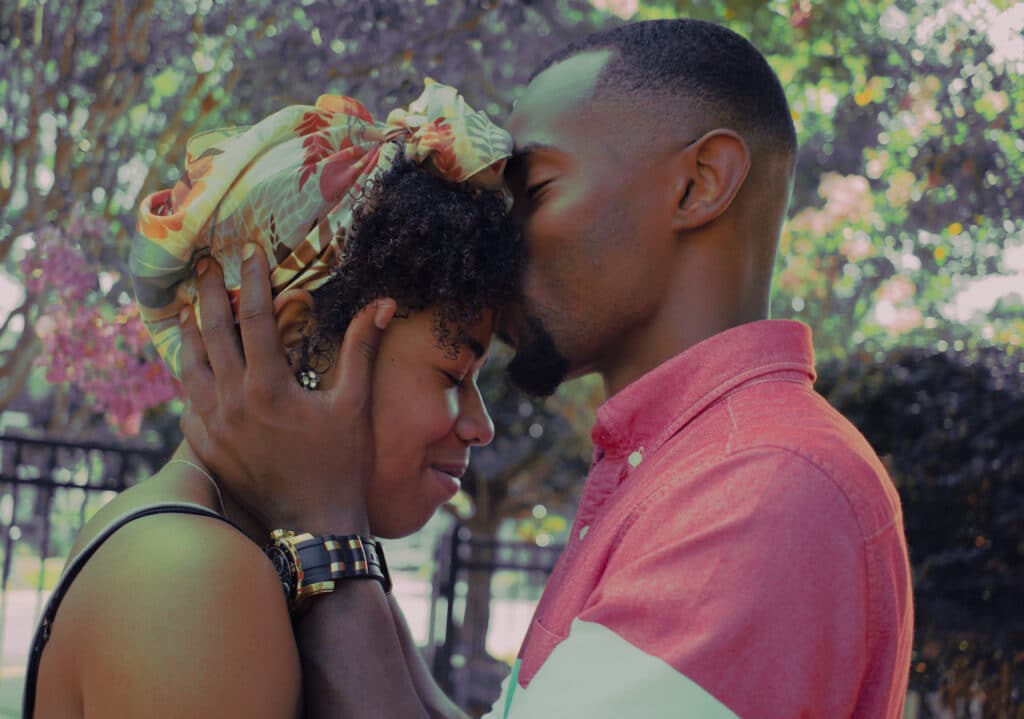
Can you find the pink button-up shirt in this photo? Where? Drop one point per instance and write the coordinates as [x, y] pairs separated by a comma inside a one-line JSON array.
[[738, 551]]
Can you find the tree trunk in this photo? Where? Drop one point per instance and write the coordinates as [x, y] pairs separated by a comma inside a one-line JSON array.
[[480, 681]]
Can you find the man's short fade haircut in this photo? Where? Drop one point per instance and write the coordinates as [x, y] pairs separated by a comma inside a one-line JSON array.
[[713, 69]]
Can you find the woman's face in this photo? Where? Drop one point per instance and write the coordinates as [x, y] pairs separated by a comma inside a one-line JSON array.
[[427, 413]]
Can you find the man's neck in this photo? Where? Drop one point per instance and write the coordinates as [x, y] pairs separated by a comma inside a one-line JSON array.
[[716, 283], [663, 339]]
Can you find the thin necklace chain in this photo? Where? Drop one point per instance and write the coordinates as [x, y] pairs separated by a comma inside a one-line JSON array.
[[209, 476]]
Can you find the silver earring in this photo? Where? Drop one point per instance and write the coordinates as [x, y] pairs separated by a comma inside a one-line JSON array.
[[309, 379]]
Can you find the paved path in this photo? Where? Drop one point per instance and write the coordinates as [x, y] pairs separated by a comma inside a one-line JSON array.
[[17, 625], [10, 697]]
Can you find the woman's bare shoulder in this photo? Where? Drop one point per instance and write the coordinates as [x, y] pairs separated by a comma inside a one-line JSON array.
[[175, 599], [168, 485], [152, 560]]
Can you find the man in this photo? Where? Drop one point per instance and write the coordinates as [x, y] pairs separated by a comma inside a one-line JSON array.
[[738, 549]]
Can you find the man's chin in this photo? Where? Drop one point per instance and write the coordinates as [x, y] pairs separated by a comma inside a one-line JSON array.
[[535, 381], [537, 367]]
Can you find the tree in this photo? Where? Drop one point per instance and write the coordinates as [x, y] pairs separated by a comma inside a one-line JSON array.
[[100, 96], [946, 426]]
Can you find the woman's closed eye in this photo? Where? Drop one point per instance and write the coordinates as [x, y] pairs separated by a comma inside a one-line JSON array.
[[453, 380]]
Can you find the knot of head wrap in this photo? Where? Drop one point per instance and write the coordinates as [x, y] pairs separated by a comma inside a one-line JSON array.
[[290, 183]]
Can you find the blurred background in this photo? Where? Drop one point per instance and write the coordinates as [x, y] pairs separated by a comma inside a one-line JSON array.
[[904, 252]]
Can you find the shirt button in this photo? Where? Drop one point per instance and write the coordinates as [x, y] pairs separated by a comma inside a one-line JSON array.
[[583, 531], [636, 458]]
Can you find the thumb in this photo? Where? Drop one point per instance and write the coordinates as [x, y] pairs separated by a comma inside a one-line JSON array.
[[359, 347], [194, 431]]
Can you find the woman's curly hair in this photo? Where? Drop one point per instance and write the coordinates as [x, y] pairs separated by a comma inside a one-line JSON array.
[[425, 242]]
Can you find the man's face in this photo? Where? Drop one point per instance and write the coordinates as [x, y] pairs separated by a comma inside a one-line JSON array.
[[581, 193]]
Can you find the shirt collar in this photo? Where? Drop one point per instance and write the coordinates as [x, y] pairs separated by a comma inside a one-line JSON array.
[[655, 406]]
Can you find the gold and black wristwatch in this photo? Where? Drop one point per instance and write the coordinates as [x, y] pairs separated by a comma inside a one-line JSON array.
[[308, 566]]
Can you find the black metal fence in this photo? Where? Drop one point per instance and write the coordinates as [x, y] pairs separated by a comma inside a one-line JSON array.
[[48, 489], [475, 578], [39, 477]]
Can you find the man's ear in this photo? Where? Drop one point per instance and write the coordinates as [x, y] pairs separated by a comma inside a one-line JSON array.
[[710, 173], [294, 311]]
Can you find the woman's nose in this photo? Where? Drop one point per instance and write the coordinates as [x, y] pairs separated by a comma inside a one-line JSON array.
[[475, 426]]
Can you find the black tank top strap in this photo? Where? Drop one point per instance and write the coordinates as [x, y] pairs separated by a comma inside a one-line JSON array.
[[42, 633]]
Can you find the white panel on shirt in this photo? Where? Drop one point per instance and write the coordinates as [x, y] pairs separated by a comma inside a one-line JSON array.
[[596, 674]]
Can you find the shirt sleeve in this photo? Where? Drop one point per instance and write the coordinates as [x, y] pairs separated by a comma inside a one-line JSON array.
[[749, 599]]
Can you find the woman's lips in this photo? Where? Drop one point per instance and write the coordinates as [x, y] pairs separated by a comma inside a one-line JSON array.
[[449, 481]]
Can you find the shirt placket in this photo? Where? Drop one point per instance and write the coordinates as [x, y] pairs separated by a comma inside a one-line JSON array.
[[606, 474]]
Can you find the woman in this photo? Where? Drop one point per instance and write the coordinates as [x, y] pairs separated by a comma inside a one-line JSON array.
[[179, 614]]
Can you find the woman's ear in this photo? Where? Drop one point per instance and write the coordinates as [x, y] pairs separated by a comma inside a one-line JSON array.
[[294, 311], [710, 173]]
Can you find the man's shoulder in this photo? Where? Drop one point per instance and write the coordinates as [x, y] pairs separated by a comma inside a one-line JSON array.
[[771, 419], [793, 439]]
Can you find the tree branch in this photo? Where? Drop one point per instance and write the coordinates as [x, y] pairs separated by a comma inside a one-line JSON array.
[[17, 371], [22, 309]]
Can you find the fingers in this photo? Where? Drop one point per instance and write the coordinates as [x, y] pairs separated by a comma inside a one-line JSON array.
[[196, 376], [194, 430], [359, 348], [218, 330], [261, 341]]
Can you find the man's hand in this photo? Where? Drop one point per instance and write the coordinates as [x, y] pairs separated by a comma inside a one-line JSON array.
[[296, 459]]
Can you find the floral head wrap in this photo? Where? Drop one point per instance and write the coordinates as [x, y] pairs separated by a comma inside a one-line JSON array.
[[290, 183]]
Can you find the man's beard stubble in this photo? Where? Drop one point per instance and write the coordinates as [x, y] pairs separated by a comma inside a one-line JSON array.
[[537, 367]]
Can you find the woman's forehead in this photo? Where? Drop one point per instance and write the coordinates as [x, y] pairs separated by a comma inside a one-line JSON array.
[[429, 328]]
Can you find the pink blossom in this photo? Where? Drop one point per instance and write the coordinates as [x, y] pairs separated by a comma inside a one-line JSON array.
[[90, 342], [623, 8], [813, 221], [847, 197], [903, 320], [857, 248], [897, 290]]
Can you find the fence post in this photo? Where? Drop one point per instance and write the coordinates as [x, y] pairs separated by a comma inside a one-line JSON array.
[[450, 562]]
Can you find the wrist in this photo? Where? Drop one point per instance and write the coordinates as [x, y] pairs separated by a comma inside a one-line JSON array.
[[311, 566]]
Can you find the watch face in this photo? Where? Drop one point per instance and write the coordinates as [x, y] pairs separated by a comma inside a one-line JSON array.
[[283, 565]]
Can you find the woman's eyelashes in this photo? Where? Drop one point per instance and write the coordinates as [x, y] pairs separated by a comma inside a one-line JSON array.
[[453, 380]]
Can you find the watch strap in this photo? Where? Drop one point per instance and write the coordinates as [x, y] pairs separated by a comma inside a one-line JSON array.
[[326, 559], [332, 558]]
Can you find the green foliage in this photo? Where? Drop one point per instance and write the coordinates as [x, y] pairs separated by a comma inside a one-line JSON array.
[[912, 114], [910, 122], [910, 117], [98, 99]]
